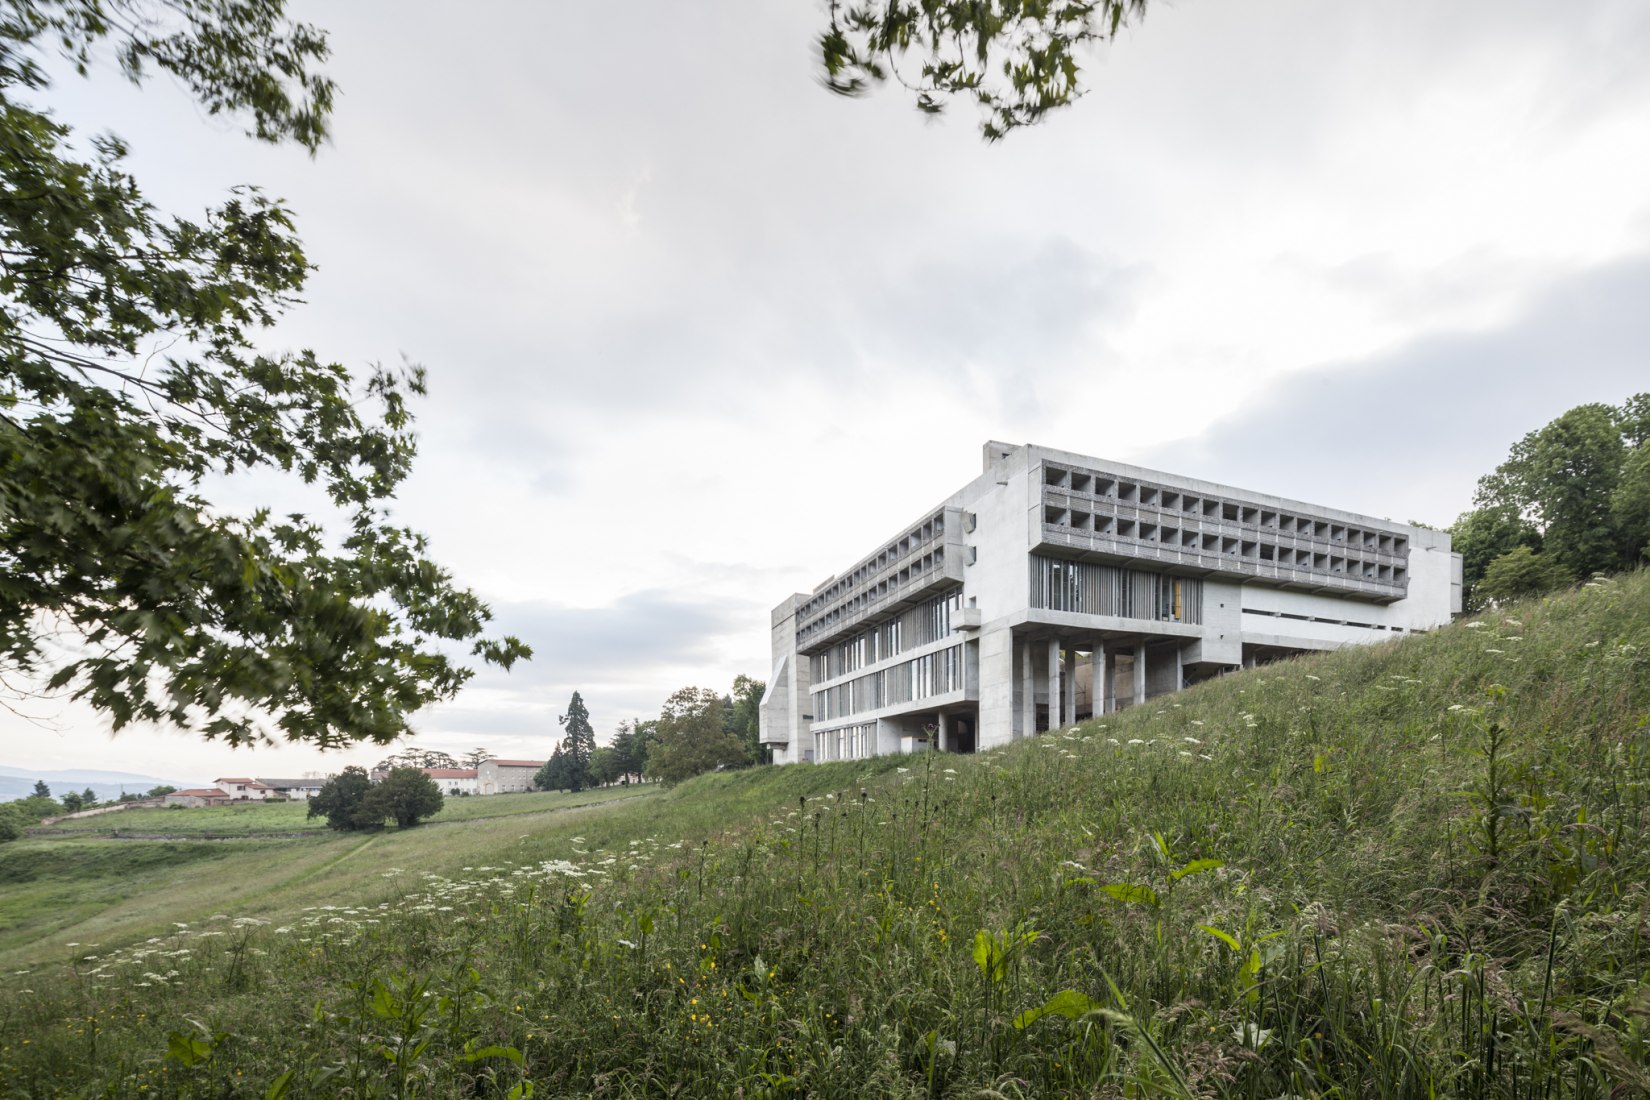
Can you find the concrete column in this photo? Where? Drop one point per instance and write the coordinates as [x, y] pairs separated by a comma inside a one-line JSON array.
[[1055, 694], [1180, 668], [1097, 678], [942, 739], [1111, 682], [994, 673], [888, 738], [1071, 685], [1028, 687], [1139, 674]]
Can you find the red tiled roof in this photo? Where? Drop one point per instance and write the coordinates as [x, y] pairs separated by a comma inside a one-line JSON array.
[[450, 773], [204, 792]]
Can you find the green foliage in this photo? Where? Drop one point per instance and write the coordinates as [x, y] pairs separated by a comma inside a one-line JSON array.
[[744, 716], [604, 766], [12, 822], [1576, 490], [73, 802], [1521, 573], [692, 737], [404, 796], [1630, 507], [630, 746], [1016, 59], [578, 744], [556, 774], [129, 378], [1483, 535], [342, 800], [416, 758], [41, 790], [37, 806]]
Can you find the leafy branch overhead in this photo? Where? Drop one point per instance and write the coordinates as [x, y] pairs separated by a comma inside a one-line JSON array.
[[1016, 59], [130, 379]]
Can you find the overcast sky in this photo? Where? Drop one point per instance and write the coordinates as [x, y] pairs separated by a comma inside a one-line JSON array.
[[700, 334]]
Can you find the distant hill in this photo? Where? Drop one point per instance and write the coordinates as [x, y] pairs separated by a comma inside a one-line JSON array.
[[18, 783]]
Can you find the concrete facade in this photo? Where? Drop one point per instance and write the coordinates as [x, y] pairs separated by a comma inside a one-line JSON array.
[[506, 776], [1057, 586]]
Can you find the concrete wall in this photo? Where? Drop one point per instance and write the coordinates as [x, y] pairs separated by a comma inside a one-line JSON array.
[[784, 716]]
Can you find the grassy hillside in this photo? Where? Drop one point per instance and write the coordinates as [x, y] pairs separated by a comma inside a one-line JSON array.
[[78, 882], [256, 818], [1417, 869]]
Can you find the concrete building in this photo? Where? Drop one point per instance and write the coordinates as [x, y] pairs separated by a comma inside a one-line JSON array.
[[506, 776], [1056, 586]]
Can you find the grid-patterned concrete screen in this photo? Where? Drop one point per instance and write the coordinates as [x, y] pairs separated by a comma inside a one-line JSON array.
[[926, 557], [1101, 514], [1090, 589]]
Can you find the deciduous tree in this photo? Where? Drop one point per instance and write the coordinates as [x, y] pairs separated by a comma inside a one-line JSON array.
[[416, 758], [692, 737], [1016, 59], [342, 801], [130, 376], [405, 796], [604, 766], [1522, 572], [1569, 492], [745, 716]]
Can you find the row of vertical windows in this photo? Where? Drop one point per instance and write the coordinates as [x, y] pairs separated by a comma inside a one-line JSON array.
[[848, 743], [910, 681], [1059, 585], [925, 623]]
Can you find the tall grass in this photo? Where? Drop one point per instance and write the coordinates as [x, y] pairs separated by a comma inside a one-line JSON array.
[[1417, 869]]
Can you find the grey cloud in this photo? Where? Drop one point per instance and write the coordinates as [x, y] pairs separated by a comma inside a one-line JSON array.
[[1407, 434], [651, 631]]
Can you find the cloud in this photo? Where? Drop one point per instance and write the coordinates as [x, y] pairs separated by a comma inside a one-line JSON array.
[[1407, 433], [649, 631]]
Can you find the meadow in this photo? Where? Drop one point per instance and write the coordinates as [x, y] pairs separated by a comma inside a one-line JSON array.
[[96, 879], [1412, 870]]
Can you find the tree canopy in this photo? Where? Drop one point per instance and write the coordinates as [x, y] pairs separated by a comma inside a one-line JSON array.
[[416, 758], [130, 374], [1016, 59], [1571, 499], [693, 737]]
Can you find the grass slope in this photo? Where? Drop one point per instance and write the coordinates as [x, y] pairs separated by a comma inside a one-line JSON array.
[[1417, 869], [82, 885]]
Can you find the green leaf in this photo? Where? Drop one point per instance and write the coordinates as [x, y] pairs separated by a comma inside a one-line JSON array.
[[277, 1089], [1134, 893], [1222, 937], [509, 1053], [1068, 1003], [1196, 867]]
